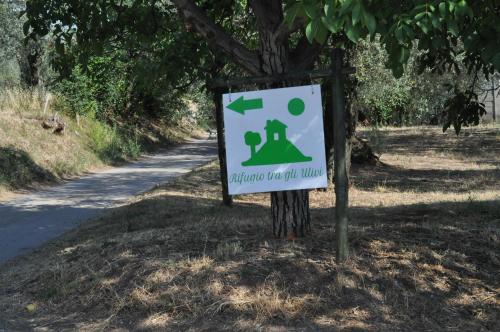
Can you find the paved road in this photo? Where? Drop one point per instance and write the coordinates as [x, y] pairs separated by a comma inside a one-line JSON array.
[[29, 220]]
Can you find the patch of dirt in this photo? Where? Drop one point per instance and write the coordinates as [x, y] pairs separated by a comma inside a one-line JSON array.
[[424, 240]]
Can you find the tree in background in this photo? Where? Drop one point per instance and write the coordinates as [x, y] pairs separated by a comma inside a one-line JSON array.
[[449, 34], [21, 61], [29, 57], [133, 58], [416, 98], [10, 41]]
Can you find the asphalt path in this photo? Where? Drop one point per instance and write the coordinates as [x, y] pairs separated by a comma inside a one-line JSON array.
[[29, 220]]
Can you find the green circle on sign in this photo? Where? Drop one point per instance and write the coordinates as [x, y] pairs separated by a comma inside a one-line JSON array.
[[296, 106]]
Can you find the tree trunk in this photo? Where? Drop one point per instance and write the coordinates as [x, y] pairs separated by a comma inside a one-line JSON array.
[[291, 216], [290, 209]]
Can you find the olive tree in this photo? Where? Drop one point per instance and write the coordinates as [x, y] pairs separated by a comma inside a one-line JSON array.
[[271, 37]]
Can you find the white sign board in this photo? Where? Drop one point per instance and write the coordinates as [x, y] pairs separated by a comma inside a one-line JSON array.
[[274, 140]]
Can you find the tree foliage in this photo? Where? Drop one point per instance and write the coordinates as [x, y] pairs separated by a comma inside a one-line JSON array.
[[413, 99], [463, 108], [443, 28], [163, 53], [21, 61], [10, 33], [149, 61], [10, 40]]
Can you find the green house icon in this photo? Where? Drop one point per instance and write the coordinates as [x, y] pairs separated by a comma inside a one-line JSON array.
[[275, 131], [276, 150]]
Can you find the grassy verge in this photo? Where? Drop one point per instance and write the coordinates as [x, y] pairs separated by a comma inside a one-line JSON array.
[[31, 155], [424, 234]]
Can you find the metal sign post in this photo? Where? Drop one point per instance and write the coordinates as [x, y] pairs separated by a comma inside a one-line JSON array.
[[226, 198], [339, 151]]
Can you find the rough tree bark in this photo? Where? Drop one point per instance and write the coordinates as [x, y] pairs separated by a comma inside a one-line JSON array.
[[290, 209]]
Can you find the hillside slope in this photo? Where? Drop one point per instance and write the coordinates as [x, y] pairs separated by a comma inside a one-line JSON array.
[[31, 155]]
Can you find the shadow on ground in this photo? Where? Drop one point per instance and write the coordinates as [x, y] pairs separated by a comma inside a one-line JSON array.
[[475, 144], [17, 169], [424, 180], [172, 261]]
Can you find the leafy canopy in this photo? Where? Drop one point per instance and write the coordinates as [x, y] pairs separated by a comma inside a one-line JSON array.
[[442, 28]]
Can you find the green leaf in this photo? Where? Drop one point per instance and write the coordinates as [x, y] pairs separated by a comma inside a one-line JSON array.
[[461, 8], [334, 25], [424, 25], [312, 30], [370, 22], [435, 22], [346, 5], [311, 10], [419, 16], [292, 12], [420, 7], [356, 13], [353, 33], [408, 32], [404, 55], [453, 28], [399, 34], [321, 34], [442, 9], [397, 70], [26, 28], [329, 8]]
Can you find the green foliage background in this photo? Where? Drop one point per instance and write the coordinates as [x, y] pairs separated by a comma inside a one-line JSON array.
[[134, 59]]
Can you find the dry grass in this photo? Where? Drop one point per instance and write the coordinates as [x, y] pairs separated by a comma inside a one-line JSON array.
[[31, 155], [425, 238]]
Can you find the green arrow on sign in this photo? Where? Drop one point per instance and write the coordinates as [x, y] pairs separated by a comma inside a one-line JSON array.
[[241, 105]]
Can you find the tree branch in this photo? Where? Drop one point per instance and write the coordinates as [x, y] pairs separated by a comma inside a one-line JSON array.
[[304, 55], [284, 31], [216, 36], [269, 13]]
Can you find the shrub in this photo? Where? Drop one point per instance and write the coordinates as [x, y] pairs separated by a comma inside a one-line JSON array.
[[112, 144], [99, 92]]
